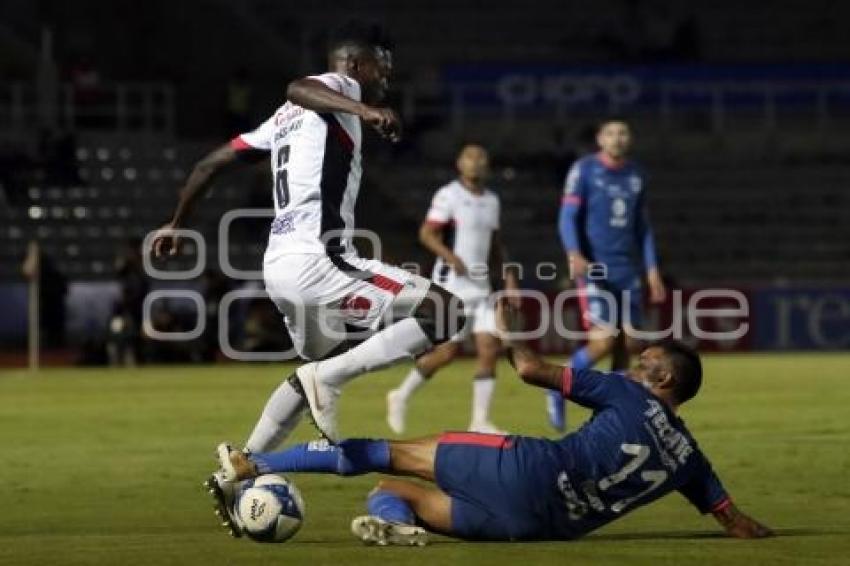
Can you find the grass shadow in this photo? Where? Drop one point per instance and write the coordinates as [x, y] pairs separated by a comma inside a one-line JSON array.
[[698, 535]]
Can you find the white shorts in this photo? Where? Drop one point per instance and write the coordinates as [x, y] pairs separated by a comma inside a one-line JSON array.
[[480, 318], [319, 295]]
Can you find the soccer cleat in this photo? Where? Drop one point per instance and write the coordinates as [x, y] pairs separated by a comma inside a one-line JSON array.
[[372, 530], [485, 427], [321, 400], [396, 409], [223, 493], [556, 408], [235, 464]]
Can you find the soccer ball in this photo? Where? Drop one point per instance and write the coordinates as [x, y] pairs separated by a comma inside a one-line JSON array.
[[270, 508]]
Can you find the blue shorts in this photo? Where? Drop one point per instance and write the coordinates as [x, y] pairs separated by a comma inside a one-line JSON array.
[[612, 302], [494, 489]]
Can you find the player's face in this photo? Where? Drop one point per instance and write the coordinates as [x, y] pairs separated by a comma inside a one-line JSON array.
[[373, 73], [615, 139], [473, 162], [652, 367]]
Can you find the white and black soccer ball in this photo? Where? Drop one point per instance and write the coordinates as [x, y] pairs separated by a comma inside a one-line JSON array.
[[270, 508]]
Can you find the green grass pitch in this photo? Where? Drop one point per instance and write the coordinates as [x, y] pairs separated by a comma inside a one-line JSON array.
[[105, 467]]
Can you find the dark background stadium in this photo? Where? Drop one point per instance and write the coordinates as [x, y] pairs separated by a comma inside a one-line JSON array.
[[740, 112]]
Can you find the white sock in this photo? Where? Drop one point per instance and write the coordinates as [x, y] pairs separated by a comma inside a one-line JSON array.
[[403, 340], [411, 383], [282, 412], [482, 394]]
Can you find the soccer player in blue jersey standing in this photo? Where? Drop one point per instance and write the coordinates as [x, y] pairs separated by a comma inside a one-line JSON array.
[[633, 451], [604, 227]]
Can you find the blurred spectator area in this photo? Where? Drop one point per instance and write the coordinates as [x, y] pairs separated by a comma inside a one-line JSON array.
[[746, 223], [715, 220], [126, 188], [276, 43]]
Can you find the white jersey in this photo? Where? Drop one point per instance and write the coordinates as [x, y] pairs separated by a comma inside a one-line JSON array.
[[316, 166], [468, 222]]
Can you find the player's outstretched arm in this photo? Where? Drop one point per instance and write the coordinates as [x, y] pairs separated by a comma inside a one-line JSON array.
[[318, 97], [199, 181], [739, 525], [533, 369]]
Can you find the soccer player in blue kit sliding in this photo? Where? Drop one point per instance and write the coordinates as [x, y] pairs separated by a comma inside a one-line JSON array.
[[604, 228], [634, 450]]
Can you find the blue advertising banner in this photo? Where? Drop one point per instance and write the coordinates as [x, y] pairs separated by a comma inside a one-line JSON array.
[[624, 87], [802, 319]]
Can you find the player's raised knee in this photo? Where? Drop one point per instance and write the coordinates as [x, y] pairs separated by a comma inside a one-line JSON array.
[[441, 315]]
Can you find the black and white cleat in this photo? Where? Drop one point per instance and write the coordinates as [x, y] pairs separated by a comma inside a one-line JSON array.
[[223, 495]]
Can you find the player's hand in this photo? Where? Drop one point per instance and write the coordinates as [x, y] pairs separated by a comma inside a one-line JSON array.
[[385, 121], [578, 265], [657, 289], [166, 240], [747, 527], [508, 318], [740, 525], [457, 264]]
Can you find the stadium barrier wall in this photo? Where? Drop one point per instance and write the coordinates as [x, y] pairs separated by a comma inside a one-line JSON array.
[[792, 318]]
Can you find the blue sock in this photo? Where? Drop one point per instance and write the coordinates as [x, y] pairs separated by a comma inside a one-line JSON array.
[[390, 507], [581, 359], [348, 458]]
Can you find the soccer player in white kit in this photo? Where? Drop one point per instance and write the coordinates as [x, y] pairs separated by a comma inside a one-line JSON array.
[[311, 270], [462, 230]]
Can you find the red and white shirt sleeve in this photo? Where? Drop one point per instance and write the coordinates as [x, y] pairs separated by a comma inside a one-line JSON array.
[[259, 139]]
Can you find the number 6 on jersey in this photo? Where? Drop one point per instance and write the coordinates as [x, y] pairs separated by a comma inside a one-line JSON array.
[[281, 180]]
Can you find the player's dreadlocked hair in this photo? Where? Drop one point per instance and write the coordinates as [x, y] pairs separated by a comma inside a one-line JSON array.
[[357, 33], [687, 368]]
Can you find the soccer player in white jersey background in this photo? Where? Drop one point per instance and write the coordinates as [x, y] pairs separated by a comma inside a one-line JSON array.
[[462, 231], [311, 270]]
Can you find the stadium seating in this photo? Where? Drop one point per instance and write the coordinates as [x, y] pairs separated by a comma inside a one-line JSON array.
[[713, 222]]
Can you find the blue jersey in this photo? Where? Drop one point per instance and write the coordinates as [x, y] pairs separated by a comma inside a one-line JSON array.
[[631, 452], [603, 216]]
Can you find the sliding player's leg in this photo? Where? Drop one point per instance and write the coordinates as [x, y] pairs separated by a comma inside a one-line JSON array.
[[423, 369], [400, 511], [351, 457], [487, 489], [481, 492]]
